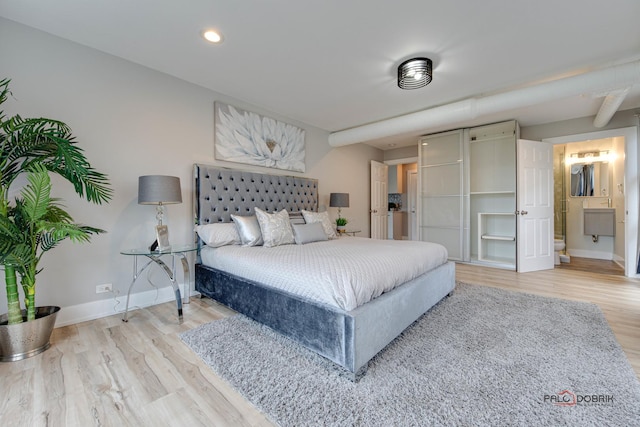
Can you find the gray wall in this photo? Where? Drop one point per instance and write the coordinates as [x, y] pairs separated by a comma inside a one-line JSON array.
[[134, 121]]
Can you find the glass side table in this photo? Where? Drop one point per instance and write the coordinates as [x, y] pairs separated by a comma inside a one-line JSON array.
[[348, 232], [156, 257]]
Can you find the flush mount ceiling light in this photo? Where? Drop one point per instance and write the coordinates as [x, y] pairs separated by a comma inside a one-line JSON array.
[[415, 73], [212, 36]]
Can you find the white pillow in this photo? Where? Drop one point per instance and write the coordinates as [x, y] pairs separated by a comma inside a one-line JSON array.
[[276, 228], [219, 234], [323, 218], [248, 229], [307, 233]]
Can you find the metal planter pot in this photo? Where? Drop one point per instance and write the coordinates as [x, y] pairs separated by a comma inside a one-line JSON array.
[[27, 339]]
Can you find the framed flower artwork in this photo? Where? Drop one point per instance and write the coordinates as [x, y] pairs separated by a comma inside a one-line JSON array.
[[245, 137]]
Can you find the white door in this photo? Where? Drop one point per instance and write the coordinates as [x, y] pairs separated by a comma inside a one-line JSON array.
[[379, 200], [534, 206], [412, 198]]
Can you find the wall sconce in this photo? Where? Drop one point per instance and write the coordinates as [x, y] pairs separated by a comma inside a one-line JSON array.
[[591, 157]]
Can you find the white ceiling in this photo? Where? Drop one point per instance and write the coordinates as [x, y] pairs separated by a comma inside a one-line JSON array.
[[332, 63]]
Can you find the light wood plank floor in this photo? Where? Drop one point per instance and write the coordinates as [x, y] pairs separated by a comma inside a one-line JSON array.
[[589, 264], [108, 373]]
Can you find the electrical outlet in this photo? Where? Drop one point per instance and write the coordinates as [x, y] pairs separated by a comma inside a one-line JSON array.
[[107, 287]]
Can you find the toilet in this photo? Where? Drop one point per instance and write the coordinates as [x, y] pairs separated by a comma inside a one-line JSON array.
[[558, 246]]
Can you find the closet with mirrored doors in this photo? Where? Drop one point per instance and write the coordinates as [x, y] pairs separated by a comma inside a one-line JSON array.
[[468, 193]]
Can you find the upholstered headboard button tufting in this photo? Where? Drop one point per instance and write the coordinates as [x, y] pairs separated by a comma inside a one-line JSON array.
[[217, 187]]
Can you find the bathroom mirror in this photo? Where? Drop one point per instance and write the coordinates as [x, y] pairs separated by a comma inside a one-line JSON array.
[[590, 179]]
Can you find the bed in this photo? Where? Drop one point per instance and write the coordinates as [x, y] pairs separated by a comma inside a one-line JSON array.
[[348, 330]]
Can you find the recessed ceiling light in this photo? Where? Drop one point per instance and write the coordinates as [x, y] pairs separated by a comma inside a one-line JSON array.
[[213, 36]]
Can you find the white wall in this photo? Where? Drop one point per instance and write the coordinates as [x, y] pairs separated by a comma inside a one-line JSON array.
[[133, 121]]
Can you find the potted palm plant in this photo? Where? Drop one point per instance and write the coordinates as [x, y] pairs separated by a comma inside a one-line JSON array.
[[34, 222]]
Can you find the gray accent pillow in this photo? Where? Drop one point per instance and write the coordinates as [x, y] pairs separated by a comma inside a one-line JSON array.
[[248, 229], [322, 218], [219, 234], [276, 228], [307, 233]]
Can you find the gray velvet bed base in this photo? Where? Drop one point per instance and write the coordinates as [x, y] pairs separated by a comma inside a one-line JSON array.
[[350, 339]]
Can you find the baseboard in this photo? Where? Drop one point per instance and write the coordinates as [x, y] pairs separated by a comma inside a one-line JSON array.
[[581, 253], [107, 307], [620, 261]]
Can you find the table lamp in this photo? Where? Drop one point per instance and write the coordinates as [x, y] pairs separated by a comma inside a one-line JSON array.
[[159, 190], [339, 200]]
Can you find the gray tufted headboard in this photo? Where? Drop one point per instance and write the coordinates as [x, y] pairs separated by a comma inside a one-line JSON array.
[[220, 192]]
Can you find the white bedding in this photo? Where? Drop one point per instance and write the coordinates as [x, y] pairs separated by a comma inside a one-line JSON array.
[[344, 273]]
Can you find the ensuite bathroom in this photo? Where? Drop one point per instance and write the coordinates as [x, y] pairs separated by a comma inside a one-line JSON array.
[[589, 203]]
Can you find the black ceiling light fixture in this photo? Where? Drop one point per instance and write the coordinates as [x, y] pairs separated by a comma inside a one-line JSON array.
[[415, 73]]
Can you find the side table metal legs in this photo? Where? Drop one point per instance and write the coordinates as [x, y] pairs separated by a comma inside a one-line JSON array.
[[170, 272], [187, 277]]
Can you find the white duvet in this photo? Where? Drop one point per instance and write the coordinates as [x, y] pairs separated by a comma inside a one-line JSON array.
[[344, 273]]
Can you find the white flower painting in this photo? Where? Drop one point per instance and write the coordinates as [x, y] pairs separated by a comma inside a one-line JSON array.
[[246, 137]]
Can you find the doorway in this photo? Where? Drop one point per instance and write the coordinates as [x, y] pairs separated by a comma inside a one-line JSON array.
[[589, 175], [619, 191], [402, 198]]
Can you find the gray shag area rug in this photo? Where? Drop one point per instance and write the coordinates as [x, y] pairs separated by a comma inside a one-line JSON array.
[[481, 357]]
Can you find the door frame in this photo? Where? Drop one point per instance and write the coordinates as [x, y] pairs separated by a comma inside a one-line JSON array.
[[631, 183]]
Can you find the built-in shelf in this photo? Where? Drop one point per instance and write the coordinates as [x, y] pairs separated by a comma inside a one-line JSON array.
[[494, 237], [491, 228]]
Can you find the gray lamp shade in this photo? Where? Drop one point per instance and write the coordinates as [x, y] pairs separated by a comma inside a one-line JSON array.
[[339, 200], [159, 189]]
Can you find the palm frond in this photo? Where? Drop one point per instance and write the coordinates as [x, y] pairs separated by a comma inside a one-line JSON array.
[[49, 142], [53, 233], [48, 242], [36, 194], [20, 256], [4, 93], [56, 213]]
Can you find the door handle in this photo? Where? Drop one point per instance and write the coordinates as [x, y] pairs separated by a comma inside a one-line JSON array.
[[524, 213]]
